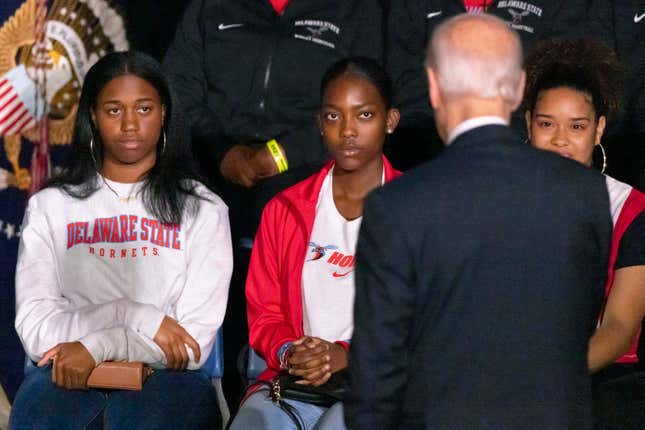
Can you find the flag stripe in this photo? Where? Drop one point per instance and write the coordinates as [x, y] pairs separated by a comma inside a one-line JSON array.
[[4, 93], [8, 103], [5, 126], [11, 112], [26, 123], [12, 129]]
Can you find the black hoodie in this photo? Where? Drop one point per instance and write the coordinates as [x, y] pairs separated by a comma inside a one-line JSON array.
[[621, 24]]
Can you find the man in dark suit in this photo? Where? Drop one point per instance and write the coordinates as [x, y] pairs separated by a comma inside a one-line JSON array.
[[479, 274]]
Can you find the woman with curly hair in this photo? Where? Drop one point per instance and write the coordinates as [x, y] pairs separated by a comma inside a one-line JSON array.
[[573, 88]]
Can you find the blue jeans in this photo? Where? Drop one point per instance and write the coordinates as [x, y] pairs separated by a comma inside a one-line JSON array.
[[169, 400], [259, 412]]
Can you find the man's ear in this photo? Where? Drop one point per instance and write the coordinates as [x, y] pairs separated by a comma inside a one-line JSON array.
[[433, 87], [520, 92]]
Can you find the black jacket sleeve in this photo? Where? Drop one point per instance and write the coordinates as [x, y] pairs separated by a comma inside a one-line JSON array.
[[383, 313], [184, 64]]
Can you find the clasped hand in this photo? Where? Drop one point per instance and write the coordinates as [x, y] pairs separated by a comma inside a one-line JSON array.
[[315, 360]]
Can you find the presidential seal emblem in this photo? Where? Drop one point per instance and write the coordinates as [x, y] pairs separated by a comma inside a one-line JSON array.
[[41, 77]]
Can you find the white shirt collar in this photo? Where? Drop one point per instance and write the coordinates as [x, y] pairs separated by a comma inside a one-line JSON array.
[[471, 123]]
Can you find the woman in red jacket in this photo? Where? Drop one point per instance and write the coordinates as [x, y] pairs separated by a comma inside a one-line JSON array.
[[300, 286], [573, 88]]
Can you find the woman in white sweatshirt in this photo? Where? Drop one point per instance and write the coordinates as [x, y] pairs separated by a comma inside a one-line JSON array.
[[123, 257]]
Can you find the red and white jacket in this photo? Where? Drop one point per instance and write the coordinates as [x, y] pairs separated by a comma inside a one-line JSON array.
[[274, 282], [626, 204]]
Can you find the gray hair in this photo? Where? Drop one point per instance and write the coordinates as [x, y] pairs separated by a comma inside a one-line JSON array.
[[483, 73]]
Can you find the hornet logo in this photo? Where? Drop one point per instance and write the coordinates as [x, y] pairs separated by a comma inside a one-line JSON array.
[[517, 16], [319, 251]]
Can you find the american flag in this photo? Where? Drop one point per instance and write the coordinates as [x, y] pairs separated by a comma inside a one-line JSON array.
[[14, 114]]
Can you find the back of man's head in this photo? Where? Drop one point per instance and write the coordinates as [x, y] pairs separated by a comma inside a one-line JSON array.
[[477, 56]]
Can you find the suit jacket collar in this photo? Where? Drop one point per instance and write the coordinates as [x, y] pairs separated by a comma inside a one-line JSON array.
[[472, 123], [486, 133]]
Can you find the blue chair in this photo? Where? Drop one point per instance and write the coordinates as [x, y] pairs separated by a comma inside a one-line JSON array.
[[254, 365], [214, 368]]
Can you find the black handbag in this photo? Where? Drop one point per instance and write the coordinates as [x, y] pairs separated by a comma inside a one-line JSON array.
[[325, 395], [284, 386]]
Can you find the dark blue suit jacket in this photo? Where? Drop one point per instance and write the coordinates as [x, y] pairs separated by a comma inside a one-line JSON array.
[[479, 280]]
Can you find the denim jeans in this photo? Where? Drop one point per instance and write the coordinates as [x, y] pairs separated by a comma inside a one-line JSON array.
[[169, 400], [259, 412]]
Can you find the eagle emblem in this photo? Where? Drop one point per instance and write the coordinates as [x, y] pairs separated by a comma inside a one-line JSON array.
[[517, 16], [317, 31], [77, 34]]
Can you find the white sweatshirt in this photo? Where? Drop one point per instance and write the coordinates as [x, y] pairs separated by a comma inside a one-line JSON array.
[[105, 272]]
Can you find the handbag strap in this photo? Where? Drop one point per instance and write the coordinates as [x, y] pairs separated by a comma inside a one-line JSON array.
[[276, 397]]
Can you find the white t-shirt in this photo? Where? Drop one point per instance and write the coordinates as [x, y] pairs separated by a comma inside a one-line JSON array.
[[105, 272], [328, 272], [618, 193]]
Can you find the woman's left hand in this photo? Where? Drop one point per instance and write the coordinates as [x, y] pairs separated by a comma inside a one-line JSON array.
[[71, 366]]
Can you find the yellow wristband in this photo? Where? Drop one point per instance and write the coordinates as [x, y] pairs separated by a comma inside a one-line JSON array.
[[278, 156]]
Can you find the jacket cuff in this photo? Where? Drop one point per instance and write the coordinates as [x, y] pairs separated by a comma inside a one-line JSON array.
[[282, 354], [344, 343], [314, 154], [99, 345]]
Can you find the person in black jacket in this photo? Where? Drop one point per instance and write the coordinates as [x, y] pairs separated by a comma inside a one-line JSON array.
[[621, 24], [480, 274], [572, 93], [409, 26], [247, 75]]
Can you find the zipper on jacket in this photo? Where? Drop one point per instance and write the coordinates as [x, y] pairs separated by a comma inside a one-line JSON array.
[[267, 76], [267, 72]]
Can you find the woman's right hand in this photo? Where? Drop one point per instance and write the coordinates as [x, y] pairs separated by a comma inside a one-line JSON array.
[[172, 338], [315, 360], [71, 366]]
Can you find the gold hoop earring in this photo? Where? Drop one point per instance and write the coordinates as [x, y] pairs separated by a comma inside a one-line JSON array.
[[604, 158]]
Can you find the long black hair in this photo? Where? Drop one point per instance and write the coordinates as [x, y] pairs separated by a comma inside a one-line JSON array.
[[168, 184]]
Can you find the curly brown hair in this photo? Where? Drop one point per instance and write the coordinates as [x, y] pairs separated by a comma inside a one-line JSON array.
[[584, 65]]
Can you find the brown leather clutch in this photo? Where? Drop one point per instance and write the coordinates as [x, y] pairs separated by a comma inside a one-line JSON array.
[[115, 375]]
